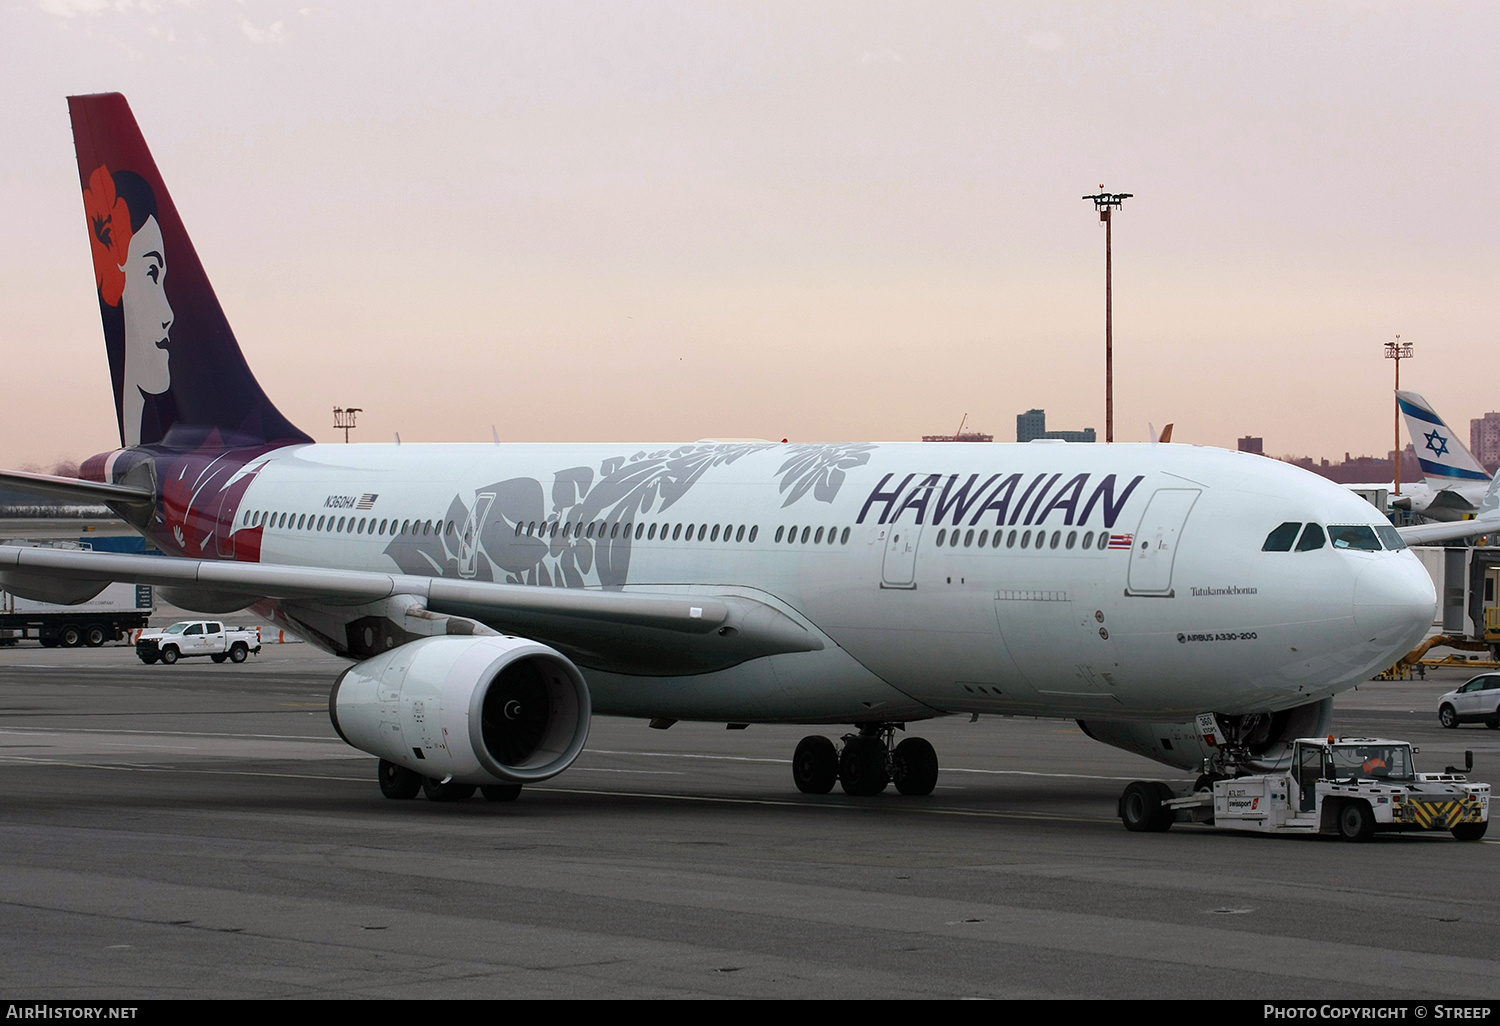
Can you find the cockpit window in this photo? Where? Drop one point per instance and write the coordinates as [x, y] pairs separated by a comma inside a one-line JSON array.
[[1312, 538], [1391, 537], [1382, 761], [1280, 540], [1354, 536]]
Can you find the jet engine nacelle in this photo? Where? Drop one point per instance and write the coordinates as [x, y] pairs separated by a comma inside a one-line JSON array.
[[482, 710], [1181, 745]]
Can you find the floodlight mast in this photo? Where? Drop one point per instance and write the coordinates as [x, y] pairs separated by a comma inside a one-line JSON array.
[[1398, 350], [343, 419], [1105, 202]]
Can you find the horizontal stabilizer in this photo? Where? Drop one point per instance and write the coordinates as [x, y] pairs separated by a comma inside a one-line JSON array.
[[74, 490]]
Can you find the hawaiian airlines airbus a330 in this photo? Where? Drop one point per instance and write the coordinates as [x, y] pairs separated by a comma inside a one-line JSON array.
[[494, 597]]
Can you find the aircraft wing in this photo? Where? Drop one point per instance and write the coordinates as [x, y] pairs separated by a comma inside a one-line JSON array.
[[611, 630], [1486, 522]]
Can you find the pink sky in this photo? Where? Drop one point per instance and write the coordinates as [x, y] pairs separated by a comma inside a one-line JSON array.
[[837, 221]]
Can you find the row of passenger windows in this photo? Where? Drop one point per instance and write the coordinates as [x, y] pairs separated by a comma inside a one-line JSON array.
[[346, 525], [643, 532], [1027, 539], [1340, 536]]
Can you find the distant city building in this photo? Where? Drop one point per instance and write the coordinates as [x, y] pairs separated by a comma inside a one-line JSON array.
[[1252, 444], [1032, 425], [1484, 440], [1362, 469], [962, 436]]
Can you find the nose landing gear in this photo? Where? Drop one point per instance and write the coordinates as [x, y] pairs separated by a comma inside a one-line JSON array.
[[867, 763]]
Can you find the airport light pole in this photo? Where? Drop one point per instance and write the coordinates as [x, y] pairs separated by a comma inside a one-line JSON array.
[[344, 419], [1398, 350], [1105, 202]]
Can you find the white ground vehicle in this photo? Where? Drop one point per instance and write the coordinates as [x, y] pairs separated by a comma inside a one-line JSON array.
[[198, 638], [1478, 701], [1354, 786]]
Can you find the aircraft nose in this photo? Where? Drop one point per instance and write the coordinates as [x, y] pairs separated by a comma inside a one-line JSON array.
[[1394, 603]]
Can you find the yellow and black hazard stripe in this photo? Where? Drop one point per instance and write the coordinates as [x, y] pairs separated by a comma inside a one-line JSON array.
[[1441, 815]]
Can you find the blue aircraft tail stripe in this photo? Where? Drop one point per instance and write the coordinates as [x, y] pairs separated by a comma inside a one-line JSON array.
[[1439, 470], [1413, 410]]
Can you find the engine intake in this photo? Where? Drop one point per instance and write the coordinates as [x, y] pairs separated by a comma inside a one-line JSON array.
[[482, 710]]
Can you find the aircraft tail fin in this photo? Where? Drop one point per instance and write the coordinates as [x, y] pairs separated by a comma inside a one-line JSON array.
[[179, 377], [1445, 460]]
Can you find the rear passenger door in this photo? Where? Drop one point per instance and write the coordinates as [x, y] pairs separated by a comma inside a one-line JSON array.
[[192, 640]]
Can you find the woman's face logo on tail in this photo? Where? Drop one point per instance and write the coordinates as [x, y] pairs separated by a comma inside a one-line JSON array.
[[130, 269], [148, 315]]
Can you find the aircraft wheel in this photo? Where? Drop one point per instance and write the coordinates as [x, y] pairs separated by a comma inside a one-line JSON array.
[[815, 765], [1448, 716], [169, 654], [452, 791], [93, 637], [914, 766], [1356, 821], [1141, 808], [863, 766], [398, 781], [500, 792], [1469, 831], [238, 652]]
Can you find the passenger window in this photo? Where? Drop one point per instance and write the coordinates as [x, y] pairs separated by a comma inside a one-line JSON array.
[[805, 531], [1088, 539], [844, 538], [791, 535], [1056, 537], [1280, 540], [1103, 540], [1312, 538], [969, 537], [1025, 539], [701, 528], [778, 534], [1072, 537], [756, 530], [1010, 541], [984, 536], [739, 535], [677, 532], [941, 535], [996, 543]]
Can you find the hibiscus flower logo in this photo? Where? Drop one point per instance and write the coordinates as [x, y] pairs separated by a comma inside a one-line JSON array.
[[109, 233]]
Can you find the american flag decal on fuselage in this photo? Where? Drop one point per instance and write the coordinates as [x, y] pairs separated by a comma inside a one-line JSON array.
[[367, 501]]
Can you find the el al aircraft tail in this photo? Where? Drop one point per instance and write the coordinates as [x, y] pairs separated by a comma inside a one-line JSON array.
[[179, 377], [1445, 460]]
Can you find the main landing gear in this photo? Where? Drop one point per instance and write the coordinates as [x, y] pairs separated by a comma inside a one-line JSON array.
[[400, 782], [866, 764]]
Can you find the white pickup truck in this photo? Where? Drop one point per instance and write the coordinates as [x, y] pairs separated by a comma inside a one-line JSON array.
[[197, 638]]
